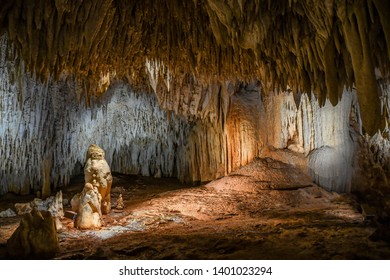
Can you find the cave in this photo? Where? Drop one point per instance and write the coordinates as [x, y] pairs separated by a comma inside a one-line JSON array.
[[233, 129]]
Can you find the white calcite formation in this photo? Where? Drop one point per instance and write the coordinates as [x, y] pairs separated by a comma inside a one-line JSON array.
[[98, 174], [324, 134], [46, 128], [7, 213], [53, 204]]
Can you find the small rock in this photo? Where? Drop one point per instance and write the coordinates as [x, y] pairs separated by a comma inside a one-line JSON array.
[[7, 213], [23, 208], [65, 202], [119, 203]]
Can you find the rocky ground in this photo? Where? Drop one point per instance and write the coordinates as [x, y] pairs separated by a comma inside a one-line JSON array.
[[265, 210]]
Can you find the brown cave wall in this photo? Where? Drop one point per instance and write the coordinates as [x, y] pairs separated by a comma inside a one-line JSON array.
[[225, 118]]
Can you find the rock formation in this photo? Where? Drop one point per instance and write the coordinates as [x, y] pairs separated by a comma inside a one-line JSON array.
[[53, 204], [87, 204], [7, 213], [98, 173], [36, 237], [119, 202], [309, 45], [180, 99]]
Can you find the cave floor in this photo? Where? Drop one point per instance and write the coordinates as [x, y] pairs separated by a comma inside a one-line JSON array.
[[265, 210]]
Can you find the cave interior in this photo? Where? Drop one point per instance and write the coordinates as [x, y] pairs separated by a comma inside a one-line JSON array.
[[231, 129]]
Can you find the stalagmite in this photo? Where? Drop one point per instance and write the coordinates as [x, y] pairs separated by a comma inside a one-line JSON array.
[[98, 174], [141, 138], [192, 95], [87, 205]]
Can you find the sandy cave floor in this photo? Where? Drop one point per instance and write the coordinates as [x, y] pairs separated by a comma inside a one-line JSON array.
[[265, 210]]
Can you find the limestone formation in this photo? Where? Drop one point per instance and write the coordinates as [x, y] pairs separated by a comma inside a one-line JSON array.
[[23, 208], [205, 117], [98, 173], [119, 203], [87, 204], [53, 204], [7, 213], [309, 45], [36, 237]]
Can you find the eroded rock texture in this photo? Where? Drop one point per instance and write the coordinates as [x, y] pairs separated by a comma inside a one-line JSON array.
[[50, 122], [98, 174], [323, 134], [192, 95], [36, 237], [309, 45], [88, 206]]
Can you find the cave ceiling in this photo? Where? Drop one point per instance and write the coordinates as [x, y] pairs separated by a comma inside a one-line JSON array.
[[308, 46]]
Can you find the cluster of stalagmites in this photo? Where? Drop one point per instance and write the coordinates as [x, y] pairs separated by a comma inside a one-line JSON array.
[[36, 235], [95, 199]]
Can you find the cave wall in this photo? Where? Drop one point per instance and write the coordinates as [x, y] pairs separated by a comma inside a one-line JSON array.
[[46, 128], [181, 128], [337, 153], [244, 120], [307, 46], [323, 134]]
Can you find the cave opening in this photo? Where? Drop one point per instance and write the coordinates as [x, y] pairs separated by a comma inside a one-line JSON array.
[[240, 130]]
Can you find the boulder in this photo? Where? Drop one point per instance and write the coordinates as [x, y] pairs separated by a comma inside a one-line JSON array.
[[98, 173], [87, 204], [36, 237]]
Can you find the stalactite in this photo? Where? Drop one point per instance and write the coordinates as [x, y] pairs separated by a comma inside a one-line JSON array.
[[77, 48], [43, 140], [355, 29]]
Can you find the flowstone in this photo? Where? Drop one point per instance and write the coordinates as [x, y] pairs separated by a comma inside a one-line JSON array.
[[98, 173]]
